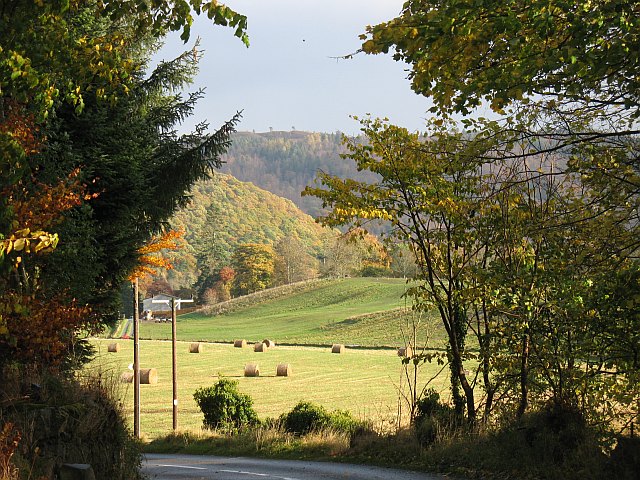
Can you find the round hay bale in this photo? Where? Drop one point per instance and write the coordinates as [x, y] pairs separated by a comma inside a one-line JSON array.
[[251, 370], [337, 348], [240, 343], [405, 352], [195, 348], [149, 376], [260, 347], [283, 370], [126, 377], [113, 347], [269, 343]]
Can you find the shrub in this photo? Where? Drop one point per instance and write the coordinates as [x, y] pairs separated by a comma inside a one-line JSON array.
[[224, 406], [433, 418], [625, 458], [64, 421], [556, 434], [307, 416], [343, 421], [372, 271]]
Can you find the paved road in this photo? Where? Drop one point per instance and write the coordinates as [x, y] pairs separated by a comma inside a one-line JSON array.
[[197, 467]]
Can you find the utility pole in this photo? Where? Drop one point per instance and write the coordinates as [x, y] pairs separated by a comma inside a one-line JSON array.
[[136, 361], [174, 363], [174, 303]]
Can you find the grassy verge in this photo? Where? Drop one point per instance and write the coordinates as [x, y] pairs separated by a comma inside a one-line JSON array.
[[492, 455], [260, 442]]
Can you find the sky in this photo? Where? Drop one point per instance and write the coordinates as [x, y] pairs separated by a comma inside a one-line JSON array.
[[290, 77]]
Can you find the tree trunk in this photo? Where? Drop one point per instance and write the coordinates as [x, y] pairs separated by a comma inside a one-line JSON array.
[[524, 377]]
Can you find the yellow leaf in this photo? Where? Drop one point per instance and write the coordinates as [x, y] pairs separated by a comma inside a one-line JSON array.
[[19, 244]]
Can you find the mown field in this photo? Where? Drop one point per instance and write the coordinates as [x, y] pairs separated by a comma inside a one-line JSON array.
[[363, 381], [355, 311]]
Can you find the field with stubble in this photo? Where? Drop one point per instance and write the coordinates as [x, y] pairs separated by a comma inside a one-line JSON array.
[[364, 381]]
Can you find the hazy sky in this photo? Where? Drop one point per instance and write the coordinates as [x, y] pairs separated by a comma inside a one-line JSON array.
[[289, 76]]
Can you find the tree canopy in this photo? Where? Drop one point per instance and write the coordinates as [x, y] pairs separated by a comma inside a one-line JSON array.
[[515, 256], [464, 53], [91, 164]]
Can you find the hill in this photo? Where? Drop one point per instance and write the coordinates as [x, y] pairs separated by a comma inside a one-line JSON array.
[[225, 212], [284, 163], [356, 311]]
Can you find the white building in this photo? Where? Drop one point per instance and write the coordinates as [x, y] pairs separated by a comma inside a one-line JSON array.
[[165, 306]]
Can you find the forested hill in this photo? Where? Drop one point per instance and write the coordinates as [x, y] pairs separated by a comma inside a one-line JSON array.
[[286, 162], [225, 213]]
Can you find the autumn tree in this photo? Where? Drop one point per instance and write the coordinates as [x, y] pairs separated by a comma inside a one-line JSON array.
[[220, 286], [462, 55], [563, 76], [429, 199], [293, 263], [159, 285], [91, 166], [35, 328], [403, 262], [511, 254], [254, 266], [354, 253], [82, 125]]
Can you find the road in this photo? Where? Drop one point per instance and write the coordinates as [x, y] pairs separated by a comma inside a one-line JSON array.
[[200, 467]]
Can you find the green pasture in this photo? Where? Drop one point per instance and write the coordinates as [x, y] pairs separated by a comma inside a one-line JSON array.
[[355, 311], [364, 381]]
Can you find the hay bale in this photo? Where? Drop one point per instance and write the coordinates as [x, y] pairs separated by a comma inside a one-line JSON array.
[[337, 348], [269, 343], [240, 343], [195, 348], [126, 377], [405, 352], [260, 347], [283, 370], [113, 347], [251, 370], [149, 376]]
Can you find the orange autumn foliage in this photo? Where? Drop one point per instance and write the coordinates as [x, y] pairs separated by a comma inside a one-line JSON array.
[[39, 330], [44, 208], [149, 259], [21, 126]]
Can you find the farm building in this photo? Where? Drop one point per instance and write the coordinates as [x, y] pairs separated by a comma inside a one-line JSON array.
[[149, 306]]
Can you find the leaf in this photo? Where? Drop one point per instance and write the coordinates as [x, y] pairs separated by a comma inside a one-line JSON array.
[[19, 244]]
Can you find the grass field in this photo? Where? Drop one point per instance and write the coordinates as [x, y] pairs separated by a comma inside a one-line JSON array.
[[362, 381], [355, 311]]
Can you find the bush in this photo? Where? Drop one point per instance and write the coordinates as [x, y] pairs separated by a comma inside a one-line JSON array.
[[343, 421], [224, 406], [371, 271], [625, 458], [64, 420], [307, 416], [556, 433], [433, 418]]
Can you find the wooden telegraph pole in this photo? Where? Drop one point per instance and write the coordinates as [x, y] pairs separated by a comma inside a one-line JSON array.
[[174, 303], [174, 363], [136, 361]]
